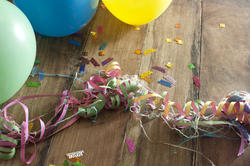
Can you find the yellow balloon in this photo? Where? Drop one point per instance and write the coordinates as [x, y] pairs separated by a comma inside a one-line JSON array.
[[137, 12]]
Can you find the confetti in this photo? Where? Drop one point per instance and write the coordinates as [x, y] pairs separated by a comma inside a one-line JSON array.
[[100, 30], [102, 6], [34, 71], [168, 40], [222, 25], [168, 84], [40, 76], [170, 79], [145, 74], [159, 69], [31, 124], [138, 52], [177, 25], [130, 145], [137, 28], [148, 79], [177, 39], [33, 84], [148, 51], [84, 53], [84, 60], [77, 35], [76, 159], [191, 66], [106, 61], [169, 65], [103, 46], [94, 35], [180, 42], [94, 62], [37, 62], [82, 68], [101, 53], [74, 43], [196, 81]]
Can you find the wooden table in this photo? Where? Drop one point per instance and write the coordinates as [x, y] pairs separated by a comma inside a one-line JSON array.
[[221, 57]]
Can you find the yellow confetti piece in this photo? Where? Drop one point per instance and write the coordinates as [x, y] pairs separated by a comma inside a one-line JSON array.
[[168, 40], [93, 33], [177, 25], [145, 74], [52, 165], [137, 28], [101, 53], [222, 25], [148, 51], [180, 42], [177, 39], [31, 124], [169, 65]]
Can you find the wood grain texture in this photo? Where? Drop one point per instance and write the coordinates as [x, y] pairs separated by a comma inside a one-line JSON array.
[[225, 64], [222, 61]]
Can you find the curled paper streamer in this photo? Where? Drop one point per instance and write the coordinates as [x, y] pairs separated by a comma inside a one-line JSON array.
[[111, 90]]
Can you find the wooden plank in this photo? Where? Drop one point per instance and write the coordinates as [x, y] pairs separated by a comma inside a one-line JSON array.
[[224, 65], [104, 142]]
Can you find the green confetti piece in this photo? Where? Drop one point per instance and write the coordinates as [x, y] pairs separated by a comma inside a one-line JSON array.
[[191, 66], [33, 84], [78, 164], [66, 163], [37, 61]]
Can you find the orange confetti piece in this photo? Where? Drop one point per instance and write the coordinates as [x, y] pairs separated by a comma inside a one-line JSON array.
[[177, 25], [177, 39], [31, 124], [138, 52], [148, 79], [101, 53], [76, 159]]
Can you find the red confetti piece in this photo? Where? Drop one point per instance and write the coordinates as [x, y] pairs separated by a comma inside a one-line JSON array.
[[159, 69], [130, 145], [100, 30], [94, 62], [196, 81]]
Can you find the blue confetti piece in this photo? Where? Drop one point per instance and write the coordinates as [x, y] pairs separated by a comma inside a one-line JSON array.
[[34, 71], [40, 76], [82, 68], [165, 83], [74, 43], [102, 47]]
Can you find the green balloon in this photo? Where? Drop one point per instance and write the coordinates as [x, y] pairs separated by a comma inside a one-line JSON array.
[[17, 49]]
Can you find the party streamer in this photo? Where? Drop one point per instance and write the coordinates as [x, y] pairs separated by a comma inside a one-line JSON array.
[[109, 89]]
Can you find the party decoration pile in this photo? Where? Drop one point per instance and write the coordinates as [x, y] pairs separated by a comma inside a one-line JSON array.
[[108, 89]]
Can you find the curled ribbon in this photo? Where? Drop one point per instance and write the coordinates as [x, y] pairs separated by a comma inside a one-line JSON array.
[[115, 91]]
